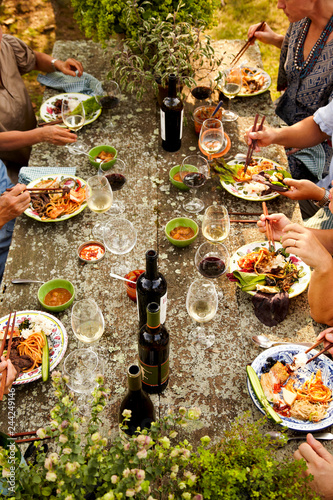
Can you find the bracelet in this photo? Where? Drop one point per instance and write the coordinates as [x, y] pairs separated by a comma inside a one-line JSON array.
[[324, 201], [52, 62]]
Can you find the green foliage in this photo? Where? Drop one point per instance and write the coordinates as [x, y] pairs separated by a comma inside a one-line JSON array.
[[100, 19]]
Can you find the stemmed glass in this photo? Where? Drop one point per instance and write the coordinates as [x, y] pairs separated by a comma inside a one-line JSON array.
[[87, 321], [211, 138], [116, 180], [72, 113], [201, 305], [212, 259], [99, 200], [194, 172], [216, 223], [108, 95], [231, 85], [119, 238]]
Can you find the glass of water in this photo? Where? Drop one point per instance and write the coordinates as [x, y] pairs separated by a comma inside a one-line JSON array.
[[120, 238]]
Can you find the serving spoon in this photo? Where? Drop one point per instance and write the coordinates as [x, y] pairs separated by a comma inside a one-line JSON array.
[[121, 278], [276, 436], [23, 281], [265, 342]]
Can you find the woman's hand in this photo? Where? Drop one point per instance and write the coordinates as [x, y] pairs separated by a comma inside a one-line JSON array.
[[13, 203], [327, 335], [69, 67], [279, 222], [319, 464], [265, 35], [56, 135], [11, 373], [303, 190], [264, 138]]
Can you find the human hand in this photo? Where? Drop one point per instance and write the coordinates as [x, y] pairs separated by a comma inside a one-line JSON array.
[[57, 135], [11, 373], [303, 190], [264, 138], [319, 464], [327, 335], [265, 35], [13, 203], [69, 67], [279, 221]]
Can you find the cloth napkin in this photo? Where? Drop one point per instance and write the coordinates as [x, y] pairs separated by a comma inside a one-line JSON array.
[[28, 174], [86, 84]]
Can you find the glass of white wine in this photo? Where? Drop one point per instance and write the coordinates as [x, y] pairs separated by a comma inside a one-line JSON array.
[[216, 223], [201, 305], [99, 200], [231, 85], [87, 321], [211, 138], [72, 113]]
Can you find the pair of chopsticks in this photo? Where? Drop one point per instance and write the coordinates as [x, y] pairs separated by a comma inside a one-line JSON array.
[[2, 348], [269, 230], [244, 221], [54, 122], [320, 352], [253, 144], [246, 45], [41, 190], [27, 440]]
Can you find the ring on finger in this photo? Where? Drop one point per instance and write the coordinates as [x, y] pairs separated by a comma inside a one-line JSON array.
[[295, 243]]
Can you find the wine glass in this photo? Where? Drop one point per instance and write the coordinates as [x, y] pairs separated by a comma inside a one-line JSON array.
[[119, 238], [99, 200], [212, 260], [116, 179], [216, 223], [108, 95], [211, 138], [201, 305], [194, 172], [231, 85], [72, 113], [87, 321], [81, 368]]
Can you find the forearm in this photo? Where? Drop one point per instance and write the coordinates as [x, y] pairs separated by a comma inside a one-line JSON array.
[[325, 236], [321, 294], [278, 41], [10, 141], [303, 134], [43, 62]]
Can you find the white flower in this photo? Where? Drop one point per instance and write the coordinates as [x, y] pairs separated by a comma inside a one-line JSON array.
[[114, 479], [63, 439], [48, 463], [54, 424], [174, 453], [130, 492], [75, 426], [126, 472], [5, 472], [175, 468], [67, 451], [142, 453], [182, 485], [140, 474], [165, 442], [51, 476], [187, 495], [108, 496], [95, 437], [194, 413], [126, 446], [41, 433], [127, 413], [173, 434]]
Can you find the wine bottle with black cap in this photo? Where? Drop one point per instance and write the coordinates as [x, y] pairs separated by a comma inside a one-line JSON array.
[[154, 352], [140, 404], [172, 118]]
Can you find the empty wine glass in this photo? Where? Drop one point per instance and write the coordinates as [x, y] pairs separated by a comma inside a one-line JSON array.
[[99, 200], [81, 149], [194, 172], [216, 223], [72, 113], [87, 321], [212, 259], [116, 179], [119, 238], [231, 85], [81, 368], [201, 305], [108, 95], [211, 138]]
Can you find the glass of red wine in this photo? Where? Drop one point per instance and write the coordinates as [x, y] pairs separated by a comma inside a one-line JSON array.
[[116, 179], [108, 95], [212, 260], [194, 172]]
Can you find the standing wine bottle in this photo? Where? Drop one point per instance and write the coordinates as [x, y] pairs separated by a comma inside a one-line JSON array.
[[172, 118], [151, 286], [154, 352], [140, 404]]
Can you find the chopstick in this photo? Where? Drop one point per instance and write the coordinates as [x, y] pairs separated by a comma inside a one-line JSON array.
[[27, 440], [4, 373], [253, 144], [2, 348], [268, 226], [244, 213], [246, 45], [244, 221], [54, 122], [320, 352]]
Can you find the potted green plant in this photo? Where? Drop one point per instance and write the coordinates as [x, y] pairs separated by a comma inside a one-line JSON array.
[[161, 47]]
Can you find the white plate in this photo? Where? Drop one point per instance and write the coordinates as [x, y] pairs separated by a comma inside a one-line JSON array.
[[266, 85], [287, 353], [238, 189], [33, 214], [57, 343], [296, 289], [46, 107]]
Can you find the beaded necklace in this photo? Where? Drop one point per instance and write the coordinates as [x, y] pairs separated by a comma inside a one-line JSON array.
[[305, 67]]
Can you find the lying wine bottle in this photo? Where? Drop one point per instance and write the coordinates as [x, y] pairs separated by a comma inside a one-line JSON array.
[[151, 286], [140, 404], [154, 352]]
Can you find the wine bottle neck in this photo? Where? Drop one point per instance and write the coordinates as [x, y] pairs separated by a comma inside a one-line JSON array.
[[172, 91], [153, 317], [151, 265], [134, 383]]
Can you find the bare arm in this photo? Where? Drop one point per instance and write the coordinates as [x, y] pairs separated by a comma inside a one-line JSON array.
[[266, 35], [68, 67], [15, 139]]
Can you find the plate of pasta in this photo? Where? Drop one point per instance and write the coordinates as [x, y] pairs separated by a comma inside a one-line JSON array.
[[301, 394], [255, 81], [27, 344], [60, 198]]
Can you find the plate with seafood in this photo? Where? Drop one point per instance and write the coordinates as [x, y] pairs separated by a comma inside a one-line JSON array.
[[60, 198], [257, 268], [255, 81], [242, 185], [300, 393], [50, 110], [26, 350]]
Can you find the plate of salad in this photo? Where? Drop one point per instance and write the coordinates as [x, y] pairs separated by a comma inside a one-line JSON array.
[[50, 110]]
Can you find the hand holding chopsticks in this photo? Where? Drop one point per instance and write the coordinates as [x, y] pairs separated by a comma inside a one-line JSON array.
[[323, 337], [247, 44], [269, 230], [4, 383], [253, 144]]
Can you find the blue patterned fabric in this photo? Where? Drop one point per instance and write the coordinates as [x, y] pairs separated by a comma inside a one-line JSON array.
[[6, 231], [86, 84], [28, 174]]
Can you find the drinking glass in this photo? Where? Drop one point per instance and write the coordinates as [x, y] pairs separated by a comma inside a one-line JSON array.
[[81, 367], [119, 238], [99, 200], [108, 95], [72, 113], [216, 223], [87, 321], [231, 85], [211, 138], [212, 260], [201, 305], [116, 179], [194, 172]]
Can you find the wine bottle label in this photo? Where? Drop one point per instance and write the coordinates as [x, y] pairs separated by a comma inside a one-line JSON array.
[[150, 373], [163, 134], [181, 125], [163, 307]]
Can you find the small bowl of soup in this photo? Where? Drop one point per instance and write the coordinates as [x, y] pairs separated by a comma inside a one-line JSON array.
[[56, 295], [181, 231], [91, 251]]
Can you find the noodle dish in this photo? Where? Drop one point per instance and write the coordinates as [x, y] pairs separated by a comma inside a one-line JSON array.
[[254, 81]]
